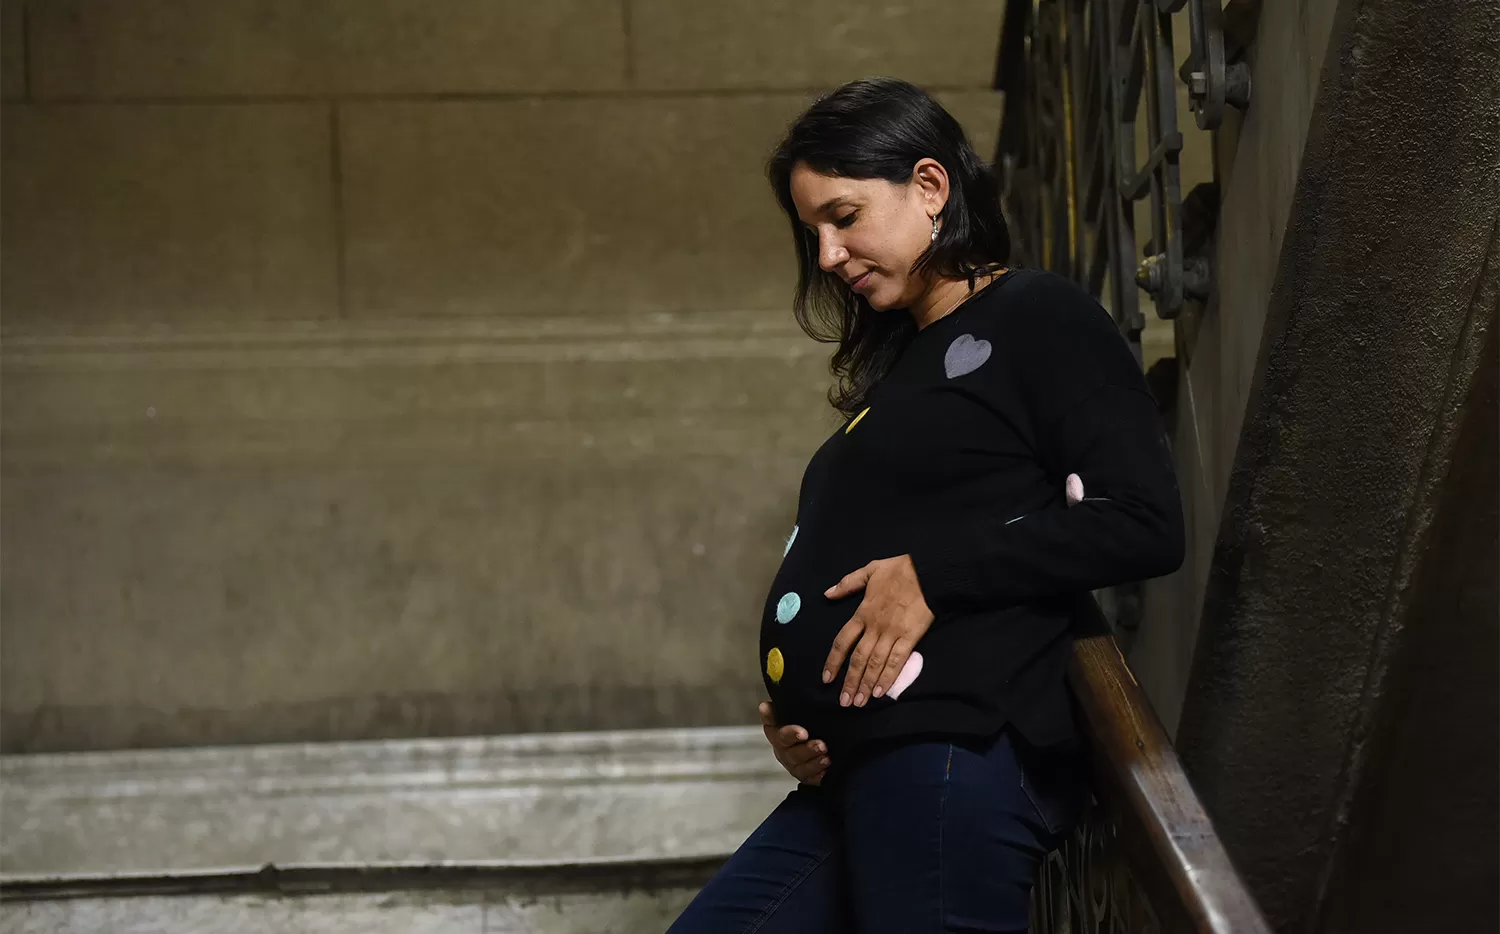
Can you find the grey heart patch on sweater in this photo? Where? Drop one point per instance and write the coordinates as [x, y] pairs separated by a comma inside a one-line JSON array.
[[965, 355]]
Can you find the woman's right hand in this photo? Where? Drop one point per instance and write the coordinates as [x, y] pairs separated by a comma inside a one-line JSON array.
[[806, 759]]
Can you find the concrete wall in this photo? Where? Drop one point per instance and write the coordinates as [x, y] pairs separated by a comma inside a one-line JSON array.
[[395, 368], [1385, 289], [1421, 852]]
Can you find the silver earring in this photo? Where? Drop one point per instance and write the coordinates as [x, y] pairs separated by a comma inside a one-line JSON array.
[[934, 228]]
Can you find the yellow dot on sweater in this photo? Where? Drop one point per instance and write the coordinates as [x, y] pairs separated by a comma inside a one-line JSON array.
[[775, 665], [856, 420]]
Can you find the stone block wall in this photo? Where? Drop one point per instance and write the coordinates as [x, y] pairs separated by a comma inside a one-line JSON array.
[[397, 368]]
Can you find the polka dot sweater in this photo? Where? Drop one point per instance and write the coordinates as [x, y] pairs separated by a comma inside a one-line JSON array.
[[960, 459]]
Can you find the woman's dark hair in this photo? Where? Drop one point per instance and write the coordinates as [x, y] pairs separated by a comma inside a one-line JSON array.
[[880, 128]]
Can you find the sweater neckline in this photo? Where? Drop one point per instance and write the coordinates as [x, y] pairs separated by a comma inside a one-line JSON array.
[[973, 300]]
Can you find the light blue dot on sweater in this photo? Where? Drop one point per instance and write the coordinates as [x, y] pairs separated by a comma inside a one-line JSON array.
[[790, 540], [787, 607]]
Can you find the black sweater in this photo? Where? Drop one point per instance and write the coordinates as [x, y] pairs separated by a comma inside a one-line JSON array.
[[960, 461]]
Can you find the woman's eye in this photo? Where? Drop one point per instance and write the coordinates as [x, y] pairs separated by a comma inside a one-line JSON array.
[[846, 220]]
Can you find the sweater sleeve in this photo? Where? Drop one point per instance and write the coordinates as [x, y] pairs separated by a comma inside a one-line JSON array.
[[1091, 414]]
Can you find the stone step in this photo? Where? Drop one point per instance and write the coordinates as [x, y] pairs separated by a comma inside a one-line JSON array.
[[495, 801], [579, 898]]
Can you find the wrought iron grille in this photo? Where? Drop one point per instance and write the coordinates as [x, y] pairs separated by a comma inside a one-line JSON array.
[[1077, 76], [1085, 887]]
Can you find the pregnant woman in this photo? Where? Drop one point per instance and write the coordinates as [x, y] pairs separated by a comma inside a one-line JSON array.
[[1000, 457]]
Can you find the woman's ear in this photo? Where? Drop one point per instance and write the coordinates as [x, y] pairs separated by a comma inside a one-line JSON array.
[[931, 180]]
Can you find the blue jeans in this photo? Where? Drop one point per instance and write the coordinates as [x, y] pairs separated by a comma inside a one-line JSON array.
[[917, 837]]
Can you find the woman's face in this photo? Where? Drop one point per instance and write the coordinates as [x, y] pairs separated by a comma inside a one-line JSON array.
[[871, 231]]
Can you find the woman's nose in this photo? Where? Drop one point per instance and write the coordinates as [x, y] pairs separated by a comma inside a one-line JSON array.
[[831, 255]]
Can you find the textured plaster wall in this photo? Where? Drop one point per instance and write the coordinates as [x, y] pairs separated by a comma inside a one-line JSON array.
[[1420, 853], [1385, 290], [394, 368]]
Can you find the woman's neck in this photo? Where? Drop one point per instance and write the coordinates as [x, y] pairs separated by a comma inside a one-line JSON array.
[[946, 295]]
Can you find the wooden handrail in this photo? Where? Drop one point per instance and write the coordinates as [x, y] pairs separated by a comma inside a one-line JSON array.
[[1161, 827]]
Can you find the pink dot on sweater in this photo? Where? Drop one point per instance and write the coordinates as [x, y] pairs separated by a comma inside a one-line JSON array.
[[909, 672], [1074, 487]]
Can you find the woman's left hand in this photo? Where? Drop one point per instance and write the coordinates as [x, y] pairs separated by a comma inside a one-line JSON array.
[[890, 621]]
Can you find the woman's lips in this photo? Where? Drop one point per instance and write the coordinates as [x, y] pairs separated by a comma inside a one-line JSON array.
[[862, 281]]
